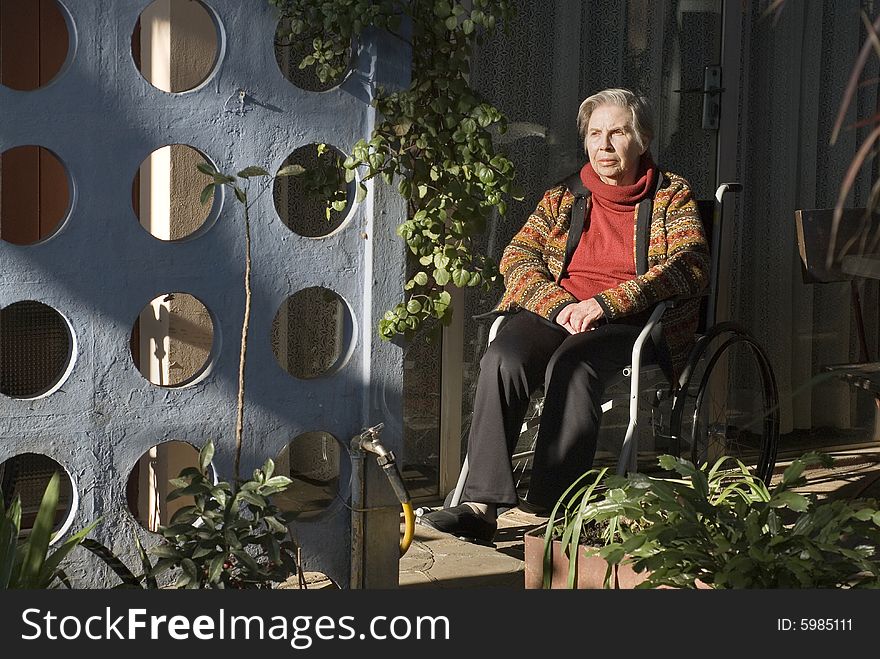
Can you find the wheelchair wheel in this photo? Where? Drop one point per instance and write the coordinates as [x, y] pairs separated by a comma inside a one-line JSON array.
[[727, 403]]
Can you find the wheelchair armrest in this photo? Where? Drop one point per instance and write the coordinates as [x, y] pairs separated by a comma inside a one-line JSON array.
[[493, 330], [643, 336]]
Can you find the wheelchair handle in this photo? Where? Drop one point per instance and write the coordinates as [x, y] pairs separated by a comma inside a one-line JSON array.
[[727, 187]]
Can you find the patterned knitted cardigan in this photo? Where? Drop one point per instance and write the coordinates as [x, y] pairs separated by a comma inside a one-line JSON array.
[[677, 264]]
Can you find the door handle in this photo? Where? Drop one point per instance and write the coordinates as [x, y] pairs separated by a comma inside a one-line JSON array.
[[711, 93], [699, 91]]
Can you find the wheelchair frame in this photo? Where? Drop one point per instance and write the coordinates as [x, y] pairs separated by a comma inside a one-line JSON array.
[[691, 380]]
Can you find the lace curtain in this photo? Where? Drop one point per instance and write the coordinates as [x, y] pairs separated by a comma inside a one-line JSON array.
[[794, 72]]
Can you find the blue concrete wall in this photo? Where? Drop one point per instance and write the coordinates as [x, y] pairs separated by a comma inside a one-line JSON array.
[[101, 118]]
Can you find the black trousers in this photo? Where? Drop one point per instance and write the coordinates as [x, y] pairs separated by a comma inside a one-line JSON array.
[[528, 352]]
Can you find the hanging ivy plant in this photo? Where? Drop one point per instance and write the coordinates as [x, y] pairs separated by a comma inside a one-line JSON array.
[[434, 139], [325, 180]]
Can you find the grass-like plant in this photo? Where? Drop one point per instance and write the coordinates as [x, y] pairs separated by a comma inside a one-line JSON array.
[[590, 512], [29, 563]]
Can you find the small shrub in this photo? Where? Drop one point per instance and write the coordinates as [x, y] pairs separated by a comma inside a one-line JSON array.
[[233, 536]]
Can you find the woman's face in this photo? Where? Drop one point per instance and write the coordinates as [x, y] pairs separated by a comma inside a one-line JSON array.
[[612, 145]]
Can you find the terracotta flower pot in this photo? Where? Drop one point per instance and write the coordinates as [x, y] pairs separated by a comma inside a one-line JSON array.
[[590, 569]]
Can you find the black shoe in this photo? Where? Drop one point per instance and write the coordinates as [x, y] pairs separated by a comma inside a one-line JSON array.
[[461, 521], [534, 509]]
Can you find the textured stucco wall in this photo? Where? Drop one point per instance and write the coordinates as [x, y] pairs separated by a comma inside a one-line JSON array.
[[102, 119]]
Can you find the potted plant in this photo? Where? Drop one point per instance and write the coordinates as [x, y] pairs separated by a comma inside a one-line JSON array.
[[591, 513], [721, 527]]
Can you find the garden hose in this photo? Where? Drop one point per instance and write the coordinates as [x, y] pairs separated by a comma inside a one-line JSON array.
[[409, 527], [368, 441]]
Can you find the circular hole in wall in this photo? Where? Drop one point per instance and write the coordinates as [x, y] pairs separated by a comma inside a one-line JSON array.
[[312, 333], [292, 49], [37, 347], [34, 194], [166, 193], [26, 476], [315, 201], [175, 44], [172, 340], [148, 486], [34, 43], [312, 462]]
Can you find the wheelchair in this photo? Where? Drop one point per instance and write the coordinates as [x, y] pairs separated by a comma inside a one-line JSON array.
[[724, 403]]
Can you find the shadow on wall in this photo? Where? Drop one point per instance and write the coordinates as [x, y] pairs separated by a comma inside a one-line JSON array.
[[175, 341]]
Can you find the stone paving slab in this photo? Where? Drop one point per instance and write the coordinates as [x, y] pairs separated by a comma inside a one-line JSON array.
[[438, 560]]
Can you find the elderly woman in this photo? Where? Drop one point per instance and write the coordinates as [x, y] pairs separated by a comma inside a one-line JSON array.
[[581, 278]]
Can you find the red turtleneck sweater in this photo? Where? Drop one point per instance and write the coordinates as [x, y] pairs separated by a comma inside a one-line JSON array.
[[604, 256]]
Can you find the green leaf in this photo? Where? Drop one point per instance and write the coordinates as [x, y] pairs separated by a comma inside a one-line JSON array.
[[278, 482], [240, 194], [165, 551], [247, 559], [421, 278], [793, 471], [206, 168], [290, 170], [207, 193], [253, 170], [361, 193], [461, 277], [402, 128], [252, 499], [864, 514], [215, 567], [190, 570], [149, 570], [796, 502], [10, 524], [38, 541], [101, 551], [206, 455], [50, 566], [275, 525]]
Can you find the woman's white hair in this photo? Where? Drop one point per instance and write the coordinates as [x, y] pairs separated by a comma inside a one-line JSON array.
[[642, 123]]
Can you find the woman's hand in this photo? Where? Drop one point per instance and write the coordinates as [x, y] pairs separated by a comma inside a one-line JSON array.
[[581, 316]]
